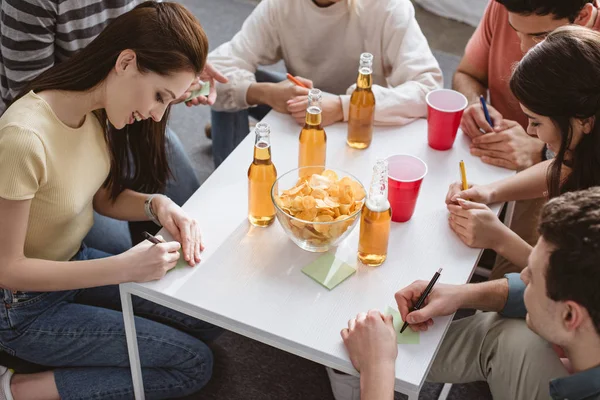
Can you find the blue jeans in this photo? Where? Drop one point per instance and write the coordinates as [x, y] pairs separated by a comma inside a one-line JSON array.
[[228, 129], [81, 334], [114, 236]]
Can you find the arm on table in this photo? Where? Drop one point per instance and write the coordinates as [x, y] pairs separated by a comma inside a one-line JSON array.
[[446, 299], [129, 206], [371, 343]]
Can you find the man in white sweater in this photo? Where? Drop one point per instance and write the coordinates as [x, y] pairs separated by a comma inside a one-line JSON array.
[[320, 41]]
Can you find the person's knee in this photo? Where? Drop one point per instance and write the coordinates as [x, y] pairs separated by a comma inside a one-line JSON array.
[[513, 338], [197, 366], [517, 362]]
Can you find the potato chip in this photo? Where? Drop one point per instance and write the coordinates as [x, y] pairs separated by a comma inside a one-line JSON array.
[[308, 202], [295, 190], [331, 175], [319, 182], [326, 211], [319, 194], [344, 210], [347, 195]]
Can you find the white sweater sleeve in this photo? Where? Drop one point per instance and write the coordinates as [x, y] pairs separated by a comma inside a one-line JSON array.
[[411, 70], [257, 43]]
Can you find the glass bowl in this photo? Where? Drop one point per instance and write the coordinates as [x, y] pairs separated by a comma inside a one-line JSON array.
[[315, 212]]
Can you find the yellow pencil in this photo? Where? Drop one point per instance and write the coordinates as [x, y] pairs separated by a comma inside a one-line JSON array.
[[463, 175]]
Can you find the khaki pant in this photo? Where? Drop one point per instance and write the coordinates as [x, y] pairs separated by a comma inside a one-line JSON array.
[[516, 363], [524, 223]]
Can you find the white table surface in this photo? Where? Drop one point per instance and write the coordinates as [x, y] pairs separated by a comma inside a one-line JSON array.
[[250, 279]]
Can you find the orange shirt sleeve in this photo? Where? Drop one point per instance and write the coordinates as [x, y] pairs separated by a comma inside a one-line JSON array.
[[477, 51]]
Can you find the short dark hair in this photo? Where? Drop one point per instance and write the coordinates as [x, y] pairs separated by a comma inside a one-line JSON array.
[[559, 9], [571, 224]]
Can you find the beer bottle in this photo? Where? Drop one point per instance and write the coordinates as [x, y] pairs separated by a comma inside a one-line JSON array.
[[362, 106], [261, 176], [313, 140], [375, 220]]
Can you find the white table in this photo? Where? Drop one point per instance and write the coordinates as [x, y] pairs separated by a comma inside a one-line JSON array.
[[250, 279]]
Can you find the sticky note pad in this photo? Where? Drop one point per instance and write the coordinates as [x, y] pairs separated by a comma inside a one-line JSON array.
[[328, 270], [408, 336], [203, 91], [181, 263]]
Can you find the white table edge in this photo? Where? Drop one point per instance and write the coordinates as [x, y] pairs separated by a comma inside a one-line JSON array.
[[136, 289]]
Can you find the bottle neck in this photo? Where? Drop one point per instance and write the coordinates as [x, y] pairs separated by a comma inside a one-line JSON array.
[[364, 80], [262, 153], [378, 191], [313, 117]]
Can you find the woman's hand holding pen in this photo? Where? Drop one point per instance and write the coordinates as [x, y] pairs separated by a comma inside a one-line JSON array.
[[477, 193], [149, 261], [443, 300]]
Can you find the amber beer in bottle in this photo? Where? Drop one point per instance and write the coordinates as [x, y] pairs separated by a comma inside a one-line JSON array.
[[375, 220], [313, 140], [362, 106], [261, 176]]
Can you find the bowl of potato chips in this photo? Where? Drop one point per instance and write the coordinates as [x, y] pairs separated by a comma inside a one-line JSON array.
[[317, 207]]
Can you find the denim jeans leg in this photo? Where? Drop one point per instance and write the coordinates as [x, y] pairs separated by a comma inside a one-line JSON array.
[[109, 297], [184, 182], [88, 346], [109, 235], [228, 130]]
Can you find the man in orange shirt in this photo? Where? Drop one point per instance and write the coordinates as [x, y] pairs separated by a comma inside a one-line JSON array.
[[507, 30]]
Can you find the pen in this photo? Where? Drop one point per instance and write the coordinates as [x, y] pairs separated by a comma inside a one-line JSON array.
[[463, 175], [486, 112], [424, 296], [151, 238], [295, 81]]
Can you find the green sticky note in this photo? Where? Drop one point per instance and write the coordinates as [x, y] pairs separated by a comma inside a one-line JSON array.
[[328, 270], [203, 91], [181, 263], [408, 336]]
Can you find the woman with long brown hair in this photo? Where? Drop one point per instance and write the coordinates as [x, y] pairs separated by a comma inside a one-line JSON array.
[[81, 135], [558, 86]]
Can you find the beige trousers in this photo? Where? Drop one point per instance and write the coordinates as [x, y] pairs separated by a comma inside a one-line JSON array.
[[524, 223], [516, 363]]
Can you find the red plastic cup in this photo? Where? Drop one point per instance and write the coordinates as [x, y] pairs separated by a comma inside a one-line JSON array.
[[445, 108], [405, 174]]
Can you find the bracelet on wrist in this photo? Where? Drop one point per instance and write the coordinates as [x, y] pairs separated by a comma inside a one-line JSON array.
[[149, 211]]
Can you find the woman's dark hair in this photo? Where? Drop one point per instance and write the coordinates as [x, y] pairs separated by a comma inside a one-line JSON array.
[[166, 38], [560, 78]]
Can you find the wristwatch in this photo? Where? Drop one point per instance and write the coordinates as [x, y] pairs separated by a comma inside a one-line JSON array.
[[149, 211]]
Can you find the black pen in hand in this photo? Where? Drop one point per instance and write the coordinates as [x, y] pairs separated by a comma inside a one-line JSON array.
[[424, 295], [151, 238]]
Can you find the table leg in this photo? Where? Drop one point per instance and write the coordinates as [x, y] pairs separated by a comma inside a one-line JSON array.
[[132, 346], [413, 396]]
